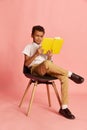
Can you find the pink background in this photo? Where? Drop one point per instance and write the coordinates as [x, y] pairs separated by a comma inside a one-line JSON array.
[[67, 19], [64, 18]]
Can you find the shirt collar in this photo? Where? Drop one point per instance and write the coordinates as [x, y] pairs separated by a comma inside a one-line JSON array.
[[36, 44]]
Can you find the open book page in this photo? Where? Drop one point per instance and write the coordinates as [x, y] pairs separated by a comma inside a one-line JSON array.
[[53, 44]]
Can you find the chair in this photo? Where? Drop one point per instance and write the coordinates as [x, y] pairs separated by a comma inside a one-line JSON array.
[[48, 80]]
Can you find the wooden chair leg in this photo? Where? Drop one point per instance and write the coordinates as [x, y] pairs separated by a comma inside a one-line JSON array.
[[31, 99], [56, 92], [48, 93], [26, 90]]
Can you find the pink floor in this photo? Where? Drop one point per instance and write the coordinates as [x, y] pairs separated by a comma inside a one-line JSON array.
[[42, 117]]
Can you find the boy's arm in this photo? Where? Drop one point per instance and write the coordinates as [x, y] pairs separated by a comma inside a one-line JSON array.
[[28, 60], [49, 55]]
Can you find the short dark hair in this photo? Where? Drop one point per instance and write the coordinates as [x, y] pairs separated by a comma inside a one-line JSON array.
[[38, 28]]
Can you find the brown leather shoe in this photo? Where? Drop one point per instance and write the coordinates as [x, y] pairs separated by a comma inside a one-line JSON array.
[[66, 113], [76, 78]]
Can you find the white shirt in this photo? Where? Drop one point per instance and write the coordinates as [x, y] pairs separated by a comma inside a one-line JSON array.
[[30, 50]]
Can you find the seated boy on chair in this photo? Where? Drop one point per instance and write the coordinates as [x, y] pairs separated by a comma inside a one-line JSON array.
[[41, 64]]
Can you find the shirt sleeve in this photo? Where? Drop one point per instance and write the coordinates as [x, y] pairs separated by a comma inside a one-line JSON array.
[[26, 50]]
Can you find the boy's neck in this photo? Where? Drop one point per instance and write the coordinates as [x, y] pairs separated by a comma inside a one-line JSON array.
[[37, 43]]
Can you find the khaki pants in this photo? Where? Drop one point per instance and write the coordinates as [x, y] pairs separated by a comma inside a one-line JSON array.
[[53, 70]]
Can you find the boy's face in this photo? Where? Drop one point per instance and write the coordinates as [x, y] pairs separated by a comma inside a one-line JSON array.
[[38, 36]]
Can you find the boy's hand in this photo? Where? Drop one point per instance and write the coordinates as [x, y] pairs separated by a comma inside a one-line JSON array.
[[39, 51], [49, 54]]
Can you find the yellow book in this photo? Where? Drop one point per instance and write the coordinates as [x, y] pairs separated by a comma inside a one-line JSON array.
[[53, 44]]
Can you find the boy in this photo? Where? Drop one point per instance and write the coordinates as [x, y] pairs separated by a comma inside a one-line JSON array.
[[40, 64]]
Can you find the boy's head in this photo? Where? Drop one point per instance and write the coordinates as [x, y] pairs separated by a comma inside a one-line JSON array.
[[37, 34]]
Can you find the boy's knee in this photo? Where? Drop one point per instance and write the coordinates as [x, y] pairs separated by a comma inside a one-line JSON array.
[[63, 79], [47, 62]]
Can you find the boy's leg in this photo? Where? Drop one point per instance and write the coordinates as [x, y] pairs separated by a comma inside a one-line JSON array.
[[49, 67], [53, 70], [39, 69], [64, 87], [62, 75]]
